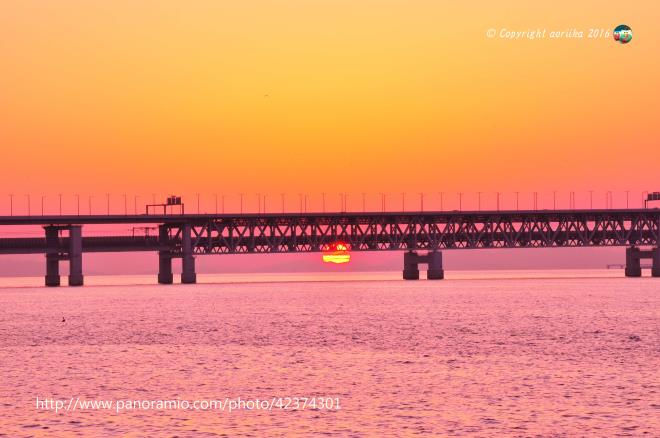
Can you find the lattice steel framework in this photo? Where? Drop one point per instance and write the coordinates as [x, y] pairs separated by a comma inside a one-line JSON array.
[[423, 231], [283, 233]]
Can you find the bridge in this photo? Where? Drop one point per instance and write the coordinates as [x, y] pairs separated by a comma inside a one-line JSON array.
[[423, 236]]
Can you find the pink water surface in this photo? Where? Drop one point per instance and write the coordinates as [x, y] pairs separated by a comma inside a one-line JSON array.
[[515, 355]]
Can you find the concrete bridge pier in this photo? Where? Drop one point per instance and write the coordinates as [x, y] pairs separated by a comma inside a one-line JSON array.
[[75, 256], [188, 275], [52, 270], [165, 275], [55, 252], [435, 270], [633, 265], [52, 256], [410, 268], [633, 257], [433, 259]]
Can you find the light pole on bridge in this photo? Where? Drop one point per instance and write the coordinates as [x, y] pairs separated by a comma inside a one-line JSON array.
[[303, 202], [609, 202], [343, 198], [517, 200], [573, 200]]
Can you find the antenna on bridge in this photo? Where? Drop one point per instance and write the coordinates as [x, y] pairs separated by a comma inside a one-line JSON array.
[[171, 202], [650, 197]]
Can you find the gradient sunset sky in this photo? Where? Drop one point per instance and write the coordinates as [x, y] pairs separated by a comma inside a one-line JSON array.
[[145, 97]]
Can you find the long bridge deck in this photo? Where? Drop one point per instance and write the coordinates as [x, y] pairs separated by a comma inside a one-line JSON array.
[[184, 236]]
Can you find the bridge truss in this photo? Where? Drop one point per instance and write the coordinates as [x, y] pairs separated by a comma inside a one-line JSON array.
[[184, 236], [300, 233]]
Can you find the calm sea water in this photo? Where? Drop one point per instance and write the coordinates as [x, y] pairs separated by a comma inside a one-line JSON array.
[[499, 354]]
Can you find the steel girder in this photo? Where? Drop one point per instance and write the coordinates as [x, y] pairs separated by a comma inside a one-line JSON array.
[[424, 232], [281, 233]]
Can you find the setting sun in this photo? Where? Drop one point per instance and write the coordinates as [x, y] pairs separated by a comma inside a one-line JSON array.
[[336, 253]]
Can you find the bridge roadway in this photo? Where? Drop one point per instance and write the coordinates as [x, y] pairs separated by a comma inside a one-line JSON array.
[[184, 236]]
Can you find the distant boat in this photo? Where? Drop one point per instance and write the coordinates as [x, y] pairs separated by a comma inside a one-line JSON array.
[[621, 266]]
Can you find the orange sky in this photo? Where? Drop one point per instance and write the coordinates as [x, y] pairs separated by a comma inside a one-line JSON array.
[[290, 96]]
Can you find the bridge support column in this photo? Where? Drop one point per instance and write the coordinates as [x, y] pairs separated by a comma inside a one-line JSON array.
[[52, 270], [188, 275], [655, 267], [435, 270], [75, 256], [52, 256], [433, 259], [164, 257], [633, 266], [410, 267], [165, 275]]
